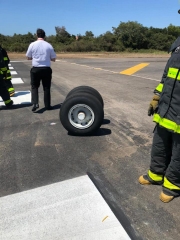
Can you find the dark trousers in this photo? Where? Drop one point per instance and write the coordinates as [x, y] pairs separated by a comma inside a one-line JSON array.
[[3, 90], [39, 74], [165, 156], [8, 84], [8, 79]]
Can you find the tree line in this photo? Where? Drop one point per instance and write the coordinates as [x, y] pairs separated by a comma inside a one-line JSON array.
[[128, 36]]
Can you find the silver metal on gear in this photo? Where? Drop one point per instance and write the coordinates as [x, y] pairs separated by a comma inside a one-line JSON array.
[[81, 116]]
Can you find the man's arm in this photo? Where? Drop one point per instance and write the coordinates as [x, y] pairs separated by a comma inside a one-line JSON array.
[[29, 53], [53, 55]]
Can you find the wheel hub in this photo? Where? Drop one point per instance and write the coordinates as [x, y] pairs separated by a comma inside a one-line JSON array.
[[81, 115]]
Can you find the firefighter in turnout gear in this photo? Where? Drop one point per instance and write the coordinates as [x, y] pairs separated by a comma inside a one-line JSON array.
[[4, 94], [7, 73], [165, 108]]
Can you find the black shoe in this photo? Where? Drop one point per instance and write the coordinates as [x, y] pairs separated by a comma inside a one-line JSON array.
[[49, 108], [8, 105], [35, 106]]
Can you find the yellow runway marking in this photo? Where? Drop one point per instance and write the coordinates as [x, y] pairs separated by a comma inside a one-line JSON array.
[[134, 69], [98, 68]]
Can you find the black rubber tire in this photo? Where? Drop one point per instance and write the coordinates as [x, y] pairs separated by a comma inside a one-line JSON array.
[[87, 89], [89, 101]]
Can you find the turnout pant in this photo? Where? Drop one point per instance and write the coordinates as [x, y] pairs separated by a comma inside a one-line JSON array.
[[9, 85], [7, 80], [165, 160], [3, 91], [39, 74]]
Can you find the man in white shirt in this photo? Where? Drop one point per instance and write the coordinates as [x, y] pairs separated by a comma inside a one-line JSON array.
[[41, 53]]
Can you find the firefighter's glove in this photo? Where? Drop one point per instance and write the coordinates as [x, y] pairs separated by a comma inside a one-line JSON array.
[[153, 105]]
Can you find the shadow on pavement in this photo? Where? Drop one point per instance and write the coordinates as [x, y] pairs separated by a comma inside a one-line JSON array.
[[106, 121], [22, 93], [57, 106], [16, 106], [100, 132]]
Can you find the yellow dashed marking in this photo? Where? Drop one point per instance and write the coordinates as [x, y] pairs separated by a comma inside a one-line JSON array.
[[134, 69], [98, 68]]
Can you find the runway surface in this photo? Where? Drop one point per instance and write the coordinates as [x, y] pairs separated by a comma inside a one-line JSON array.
[[56, 183]]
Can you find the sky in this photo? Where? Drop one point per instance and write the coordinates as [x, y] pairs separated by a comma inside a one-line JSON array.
[[79, 16]]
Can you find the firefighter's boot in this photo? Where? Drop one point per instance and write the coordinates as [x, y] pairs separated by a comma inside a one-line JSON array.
[[144, 180], [165, 198], [9, 104]]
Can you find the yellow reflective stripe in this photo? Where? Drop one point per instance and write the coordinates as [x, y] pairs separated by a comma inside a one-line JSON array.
[[169, 185], [178, 77], [5, 58], [159, 87], [155, 177], [4, 69], [166, 123], [172, 72], [10, 89], [7, 101]]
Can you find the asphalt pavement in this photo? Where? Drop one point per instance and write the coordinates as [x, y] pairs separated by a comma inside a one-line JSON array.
[[37, 152]]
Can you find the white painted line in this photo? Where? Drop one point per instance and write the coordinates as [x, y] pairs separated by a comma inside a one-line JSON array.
[[84, 65], [152, 79], [21, 97], [16, 80], [9, 64], [112, 71], [11, 68], [13, 72], [57, 60], [72, 209]]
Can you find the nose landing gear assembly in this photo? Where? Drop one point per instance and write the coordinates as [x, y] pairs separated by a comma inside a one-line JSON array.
[[82, 112]]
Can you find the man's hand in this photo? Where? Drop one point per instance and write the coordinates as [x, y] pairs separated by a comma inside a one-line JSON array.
[[153, 105]]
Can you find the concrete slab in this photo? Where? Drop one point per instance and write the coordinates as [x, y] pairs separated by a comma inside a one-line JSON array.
[[20, 97], [17, 81], [72, 209]]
